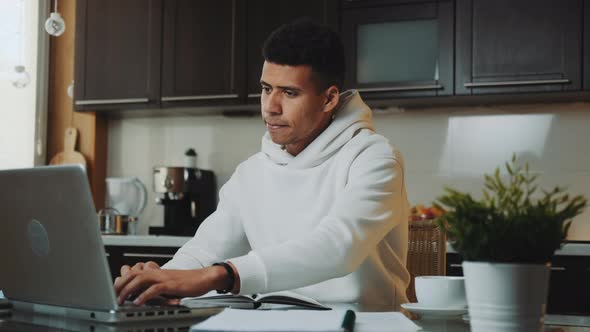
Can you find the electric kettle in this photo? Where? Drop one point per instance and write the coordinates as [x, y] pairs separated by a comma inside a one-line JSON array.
[[127, 195]]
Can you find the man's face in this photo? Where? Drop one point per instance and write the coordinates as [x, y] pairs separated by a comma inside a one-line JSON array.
[[294, 112]]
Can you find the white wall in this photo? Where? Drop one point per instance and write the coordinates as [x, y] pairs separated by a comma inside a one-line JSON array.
[[442, 147]]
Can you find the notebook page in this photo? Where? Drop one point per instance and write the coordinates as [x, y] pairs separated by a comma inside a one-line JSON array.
[[213, 295], [288, 299], [271, 320], [289, 294], [212, 299]]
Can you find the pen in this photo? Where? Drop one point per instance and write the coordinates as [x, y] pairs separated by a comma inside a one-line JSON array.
[[348, 322]]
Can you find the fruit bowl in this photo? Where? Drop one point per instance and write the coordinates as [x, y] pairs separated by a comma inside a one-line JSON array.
[[421, 212]]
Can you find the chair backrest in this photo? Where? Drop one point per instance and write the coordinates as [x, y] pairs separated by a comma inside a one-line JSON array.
[[426, 252]]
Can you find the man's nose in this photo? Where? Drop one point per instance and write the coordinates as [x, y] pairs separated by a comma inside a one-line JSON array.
[[271, 103]]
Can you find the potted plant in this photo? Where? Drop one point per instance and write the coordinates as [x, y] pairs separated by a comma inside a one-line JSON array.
[[507, 240]]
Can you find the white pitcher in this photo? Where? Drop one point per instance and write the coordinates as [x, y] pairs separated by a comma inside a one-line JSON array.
[[128, 195]]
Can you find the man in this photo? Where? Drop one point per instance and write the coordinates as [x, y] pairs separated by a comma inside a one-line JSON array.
[[321, 210]]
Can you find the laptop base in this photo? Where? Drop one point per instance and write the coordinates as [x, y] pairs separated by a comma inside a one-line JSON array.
[[124, 314], [44, 321]]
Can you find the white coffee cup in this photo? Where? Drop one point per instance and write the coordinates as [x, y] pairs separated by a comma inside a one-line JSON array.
[[441, 291]]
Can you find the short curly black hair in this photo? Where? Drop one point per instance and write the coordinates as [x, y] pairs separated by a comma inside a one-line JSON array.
[[303, 42]]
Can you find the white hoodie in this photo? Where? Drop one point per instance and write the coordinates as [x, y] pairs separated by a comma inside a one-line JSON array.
[[329, 223]]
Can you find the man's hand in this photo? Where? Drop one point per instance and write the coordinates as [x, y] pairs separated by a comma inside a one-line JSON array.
[[140, 267], [137, 267], [150, 282]]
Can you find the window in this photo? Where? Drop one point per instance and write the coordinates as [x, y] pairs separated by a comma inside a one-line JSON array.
[[22, 112]]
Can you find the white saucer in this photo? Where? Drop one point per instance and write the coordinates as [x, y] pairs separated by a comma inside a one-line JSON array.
[[417, 308]]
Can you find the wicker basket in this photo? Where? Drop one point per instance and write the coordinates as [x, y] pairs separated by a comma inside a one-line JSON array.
[[426, 252]]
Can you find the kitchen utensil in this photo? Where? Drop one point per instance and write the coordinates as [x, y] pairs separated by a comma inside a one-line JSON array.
[[429, 312], [113, 223], [69, 155], [441, 291], [127, 195]]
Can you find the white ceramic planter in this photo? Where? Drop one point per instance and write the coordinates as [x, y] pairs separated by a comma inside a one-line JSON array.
[[506, 297]]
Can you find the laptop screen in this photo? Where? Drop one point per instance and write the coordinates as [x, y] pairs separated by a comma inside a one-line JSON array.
[[50, 228]]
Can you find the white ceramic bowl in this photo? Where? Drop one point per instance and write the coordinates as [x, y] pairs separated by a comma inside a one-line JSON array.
[[441, 291]]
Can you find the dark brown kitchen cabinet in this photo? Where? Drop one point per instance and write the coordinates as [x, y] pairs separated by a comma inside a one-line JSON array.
[[586, 35], [203, 46], [454, 265], [152, 53], [568, 287], [264, 16], [117, 61], [399, 48], [508, 46]]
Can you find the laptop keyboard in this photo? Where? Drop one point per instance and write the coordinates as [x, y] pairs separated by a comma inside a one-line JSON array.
[[4, 304], [132, 310], [5, 308], [130, 307]]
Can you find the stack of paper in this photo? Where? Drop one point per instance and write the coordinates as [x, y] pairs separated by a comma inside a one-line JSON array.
[[273, 320], [383, 321], [303, 320]]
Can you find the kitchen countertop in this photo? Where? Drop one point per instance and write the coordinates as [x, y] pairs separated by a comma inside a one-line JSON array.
[[145, 240], [574, 248]]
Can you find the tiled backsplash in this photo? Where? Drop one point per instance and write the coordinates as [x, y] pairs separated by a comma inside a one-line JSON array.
[[442, 147]]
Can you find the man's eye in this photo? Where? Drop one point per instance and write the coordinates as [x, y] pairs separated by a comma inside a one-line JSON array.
[[265, 89], [290, 93]]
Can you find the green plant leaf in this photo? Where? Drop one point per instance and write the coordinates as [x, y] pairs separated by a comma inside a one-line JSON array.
[[509, 224]]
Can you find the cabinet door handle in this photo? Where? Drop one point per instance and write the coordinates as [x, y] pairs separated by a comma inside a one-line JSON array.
[[112, 101], [402, 88], [254, 95], [132, 254], [456, 265], [179, 98], [558, 268], [510, 83]]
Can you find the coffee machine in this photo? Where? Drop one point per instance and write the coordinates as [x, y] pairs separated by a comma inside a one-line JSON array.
[[188, 194]]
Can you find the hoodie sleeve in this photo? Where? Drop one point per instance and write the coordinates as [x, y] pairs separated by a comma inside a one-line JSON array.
[[371, 205], [220, 236]]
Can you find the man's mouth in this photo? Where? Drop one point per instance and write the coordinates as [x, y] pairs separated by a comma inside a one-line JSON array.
[[273, 126]]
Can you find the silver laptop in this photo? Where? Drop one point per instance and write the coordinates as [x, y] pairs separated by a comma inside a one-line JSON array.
[[4, 307], [53, 259]]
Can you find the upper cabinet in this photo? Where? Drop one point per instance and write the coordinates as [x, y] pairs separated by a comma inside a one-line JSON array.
[[179, 53], [399, 48], [264, 16], [507, 46], [117, 57], [203, 41]]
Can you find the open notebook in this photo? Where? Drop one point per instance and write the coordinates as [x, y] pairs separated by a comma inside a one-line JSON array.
[[263, 301]]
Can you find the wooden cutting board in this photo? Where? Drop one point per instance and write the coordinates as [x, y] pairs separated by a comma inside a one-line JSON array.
[[69, 155]]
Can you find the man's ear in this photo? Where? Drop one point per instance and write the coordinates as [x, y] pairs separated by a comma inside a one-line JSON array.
[[332, 98]]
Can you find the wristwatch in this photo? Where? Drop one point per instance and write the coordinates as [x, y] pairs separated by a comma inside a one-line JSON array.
[[231, 278]]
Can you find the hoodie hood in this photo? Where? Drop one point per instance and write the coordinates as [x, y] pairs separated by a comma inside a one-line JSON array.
[[351, 116]]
